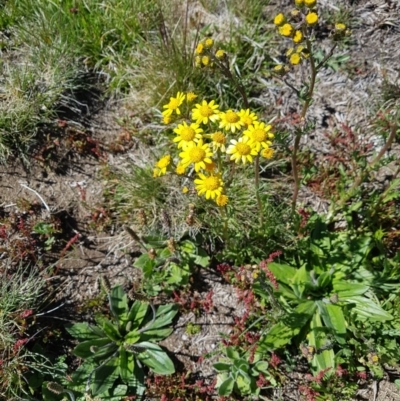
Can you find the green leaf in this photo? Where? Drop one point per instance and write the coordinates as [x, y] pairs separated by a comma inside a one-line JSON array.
[[156, 359], [333, 317], [365, 308], [262, 366], [111, 331], [126, 365], [283, 273], [84, 332], [105, 376], [346, 289], [137, 313], [83, 349], [226, 387], [146, 264], [222, 366], [318, 339], [201, 258], [119, 303], [164, 316], [232, 353]]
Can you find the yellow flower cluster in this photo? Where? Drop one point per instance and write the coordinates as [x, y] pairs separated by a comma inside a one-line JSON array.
[[208, 139], [296, 27], [205, 54]]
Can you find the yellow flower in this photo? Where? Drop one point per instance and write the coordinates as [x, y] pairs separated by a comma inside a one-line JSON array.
[[208, 43], [211, 185], [180, 169], [339, 27], [204, 112], [248, 117], [268, 153], [197, 61], [279, 19], [222, 200], [173, 105], [190, 96], [295, 59], [259, 135], [286, 30], [242, 150], [185, 190], [219, 54], [198, 154], [230, 121], [199, 48], [187, 134], [281, 69], [205, 60], [167, 119], [161, 166], [298, 37], [312, 18], [310, 3], [303, 51], [218, 141], [299, 3], [289, 51]]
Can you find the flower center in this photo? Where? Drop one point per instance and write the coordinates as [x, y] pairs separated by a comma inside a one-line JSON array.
[[219, 137], [173, 104], [231, 117], [188, 134], [243, 149], [211, 183], [206, 111], [197, 155], [259, 135]]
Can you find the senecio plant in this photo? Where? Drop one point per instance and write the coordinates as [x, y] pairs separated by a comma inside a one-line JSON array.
[[210, 141]]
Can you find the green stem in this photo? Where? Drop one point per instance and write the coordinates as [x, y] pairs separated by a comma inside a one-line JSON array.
[[299, 132], [257, 185]]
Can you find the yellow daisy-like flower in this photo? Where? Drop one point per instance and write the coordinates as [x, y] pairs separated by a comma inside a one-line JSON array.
[[242, 150], [339, 27], [248, 117], [286, 30], [230, 121], [173, 105], [211, 186], [279, 19], [198, 154], [187, 134], [167, 119], [303, 51], [161, 166], [209, 43], [310, 3], [267, 153], [199, 48], [295, 59], [185, 190], [312, 18], [218, 141], [205, 112], [190, 96], [180, 169], [298, 37], [259, 135], [299, 3], [205, 60], [222, 200], [219, 54]]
